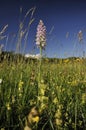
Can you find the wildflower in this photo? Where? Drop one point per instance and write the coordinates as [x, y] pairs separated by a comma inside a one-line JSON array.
[[42, 81], [20, 84], [33, 116], [55, 100], [13, 99], [70, 120], [27, 128], [8, 106], [32, 83], [58, 113], [78, 60], [43, 98], [2, 128], [20, 94], [83, 98], [60, 106], [13, 68], [80, 122], [20, 88], [74, 83], [66, 115], [42, 91], [35, 119], [66, 61], [32, 102], [42, 107], [41, 35], [0, 81], [58, 122]]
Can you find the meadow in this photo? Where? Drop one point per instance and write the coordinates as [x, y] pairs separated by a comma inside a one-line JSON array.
[[60, 96], [41, 94]]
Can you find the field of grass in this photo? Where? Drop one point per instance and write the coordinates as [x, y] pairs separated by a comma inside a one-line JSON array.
[[58, 92]]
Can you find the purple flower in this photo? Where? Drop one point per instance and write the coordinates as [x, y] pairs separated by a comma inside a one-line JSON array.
[[41, 35]]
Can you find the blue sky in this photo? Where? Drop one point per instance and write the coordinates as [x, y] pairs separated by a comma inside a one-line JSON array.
[[64, 17]]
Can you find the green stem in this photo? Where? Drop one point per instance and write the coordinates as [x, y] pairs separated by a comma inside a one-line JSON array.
[[40, 64], [39, 72], [76, 113]]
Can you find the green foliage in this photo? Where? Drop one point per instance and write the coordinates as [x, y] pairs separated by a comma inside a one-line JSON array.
[[62, 94]]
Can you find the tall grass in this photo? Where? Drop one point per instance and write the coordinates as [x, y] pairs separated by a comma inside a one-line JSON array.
[[62, 89]]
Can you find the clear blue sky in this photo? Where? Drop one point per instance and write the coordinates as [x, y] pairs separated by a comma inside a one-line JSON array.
[[64, 17]]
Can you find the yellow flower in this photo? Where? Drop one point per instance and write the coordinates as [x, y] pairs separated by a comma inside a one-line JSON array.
[[83, 98], [42, 91], [33, 116], [58, 122], [43, 98], [2, 128], [35, 119], [78, 60], [20, 94], [20, 84], [60, 106], [80, 123], [70, 120], [27, 128], [55, 100], [42, 81], [58, 113], [66, 60], [74, 83], [32, 102], [8, 106], [20, 88], [13, 68], [66, 115], [42, 107], [42, 85], [13, 99], [0, 81]]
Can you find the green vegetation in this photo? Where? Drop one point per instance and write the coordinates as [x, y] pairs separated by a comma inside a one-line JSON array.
[[62, 93]]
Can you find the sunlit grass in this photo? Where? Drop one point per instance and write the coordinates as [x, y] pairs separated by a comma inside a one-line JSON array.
[[62, 94]]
